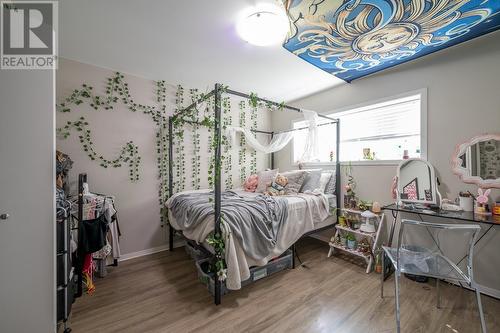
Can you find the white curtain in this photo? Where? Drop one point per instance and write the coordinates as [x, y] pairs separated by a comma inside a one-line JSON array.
[[311, 149], [278, 142]]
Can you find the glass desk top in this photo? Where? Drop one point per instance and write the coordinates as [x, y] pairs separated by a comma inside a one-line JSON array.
[[461, 215]]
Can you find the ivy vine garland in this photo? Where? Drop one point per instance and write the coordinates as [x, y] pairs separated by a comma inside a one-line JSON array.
[[128, 154], [253, 153], [196, 159], [117, 90], [227, 120], [242, 155], [179, 156]]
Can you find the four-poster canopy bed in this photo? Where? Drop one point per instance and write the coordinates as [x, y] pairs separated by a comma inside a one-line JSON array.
[[217, 92]]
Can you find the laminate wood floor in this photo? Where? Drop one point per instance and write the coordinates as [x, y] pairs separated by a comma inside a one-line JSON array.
[[161, 293]]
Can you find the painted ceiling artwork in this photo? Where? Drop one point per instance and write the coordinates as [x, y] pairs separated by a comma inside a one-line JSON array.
[[353, 38]]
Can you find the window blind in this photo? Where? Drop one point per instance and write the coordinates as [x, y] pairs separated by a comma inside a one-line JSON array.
[[397, 118]]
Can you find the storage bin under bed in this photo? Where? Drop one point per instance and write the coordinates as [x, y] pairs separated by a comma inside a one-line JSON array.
[[256, 273], [195, 251]]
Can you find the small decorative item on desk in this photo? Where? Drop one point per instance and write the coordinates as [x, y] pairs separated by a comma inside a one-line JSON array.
[[351, 241], [466, 201], [482, 202], [496, 208]]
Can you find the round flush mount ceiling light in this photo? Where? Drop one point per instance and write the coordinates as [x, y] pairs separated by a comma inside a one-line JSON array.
[[263, 26]]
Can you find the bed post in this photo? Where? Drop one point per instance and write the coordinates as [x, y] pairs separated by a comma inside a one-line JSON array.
[[170, 179], [337, 171], [217, 180]]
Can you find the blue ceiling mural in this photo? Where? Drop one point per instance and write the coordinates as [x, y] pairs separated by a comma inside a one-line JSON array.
[[353, 38]]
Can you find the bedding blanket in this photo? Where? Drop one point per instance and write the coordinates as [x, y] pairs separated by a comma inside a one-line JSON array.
[[255, 222], [286, 218]]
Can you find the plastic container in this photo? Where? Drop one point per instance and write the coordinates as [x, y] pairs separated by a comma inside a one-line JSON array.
[[194, 251], [466, 203], [256, 273]]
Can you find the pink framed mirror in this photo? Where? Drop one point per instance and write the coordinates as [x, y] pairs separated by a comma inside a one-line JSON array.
[[477, 161]]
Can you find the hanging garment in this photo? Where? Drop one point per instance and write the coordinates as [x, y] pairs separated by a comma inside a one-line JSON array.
[[278, 142], [93, 237]]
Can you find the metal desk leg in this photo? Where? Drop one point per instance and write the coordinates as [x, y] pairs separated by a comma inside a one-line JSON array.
[[382, 275]]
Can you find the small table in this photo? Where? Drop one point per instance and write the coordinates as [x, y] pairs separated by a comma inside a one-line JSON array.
[[461, 216]]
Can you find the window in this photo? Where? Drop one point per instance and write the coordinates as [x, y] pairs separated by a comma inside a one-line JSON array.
[[377, 132]]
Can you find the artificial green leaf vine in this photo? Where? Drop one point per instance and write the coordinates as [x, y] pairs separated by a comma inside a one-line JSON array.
[[129, 154], [195, 159], [217, 242], [117, 90], [179, 150], [253, 152], [242, 154], [227, 120]]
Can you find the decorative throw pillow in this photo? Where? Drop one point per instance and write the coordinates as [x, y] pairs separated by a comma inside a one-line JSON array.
[[311, 181], [251, 183], [331, 185], [295, 180], [324, 179], [265, 179]]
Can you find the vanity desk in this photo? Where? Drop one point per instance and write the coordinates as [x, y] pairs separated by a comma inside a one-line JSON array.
[[488, 224], [456, 216]]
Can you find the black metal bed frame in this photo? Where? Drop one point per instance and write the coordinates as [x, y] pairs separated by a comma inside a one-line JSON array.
[[217, 93]]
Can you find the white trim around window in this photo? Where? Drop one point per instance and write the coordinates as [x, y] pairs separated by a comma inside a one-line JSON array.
[[423, 128]]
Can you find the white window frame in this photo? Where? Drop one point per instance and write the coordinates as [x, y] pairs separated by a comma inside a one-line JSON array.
[[335, 113]]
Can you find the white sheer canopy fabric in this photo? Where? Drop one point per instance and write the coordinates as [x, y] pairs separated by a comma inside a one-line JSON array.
[[280, 140], [311, 149]]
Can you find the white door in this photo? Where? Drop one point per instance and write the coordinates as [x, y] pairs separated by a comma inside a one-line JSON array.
[[27, 228]]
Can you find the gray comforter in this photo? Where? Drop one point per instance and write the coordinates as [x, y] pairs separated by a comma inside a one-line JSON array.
[[254, 221]]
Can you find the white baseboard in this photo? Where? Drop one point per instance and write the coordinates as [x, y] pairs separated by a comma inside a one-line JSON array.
[[495, 293], [132, 255]]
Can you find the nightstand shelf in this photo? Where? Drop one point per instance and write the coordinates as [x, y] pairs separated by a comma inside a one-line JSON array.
[[373, 239]]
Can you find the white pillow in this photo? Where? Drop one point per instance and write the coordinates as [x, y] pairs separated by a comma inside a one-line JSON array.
[[265, 179], [324, 179]]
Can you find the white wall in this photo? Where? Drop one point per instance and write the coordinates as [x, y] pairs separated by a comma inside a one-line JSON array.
[[27, 193], [463, 101], [137, 203]]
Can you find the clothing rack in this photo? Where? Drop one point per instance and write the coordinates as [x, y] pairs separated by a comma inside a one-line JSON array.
[[82, 179], [217, 93]]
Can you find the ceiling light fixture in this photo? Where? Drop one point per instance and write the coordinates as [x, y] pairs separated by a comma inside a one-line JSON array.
[[263, 26]]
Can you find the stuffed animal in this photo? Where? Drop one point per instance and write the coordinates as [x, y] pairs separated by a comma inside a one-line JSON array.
[[482, 198], [277, 187], [251, 183]]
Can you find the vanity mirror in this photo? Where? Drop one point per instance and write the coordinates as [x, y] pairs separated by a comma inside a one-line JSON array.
[[477, 161], [417, 182]]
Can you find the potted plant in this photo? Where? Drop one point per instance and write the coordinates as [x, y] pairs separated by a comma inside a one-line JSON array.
[[343, 240], [342, 220], [351, 241]]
